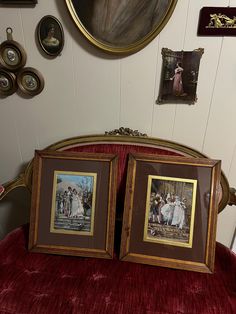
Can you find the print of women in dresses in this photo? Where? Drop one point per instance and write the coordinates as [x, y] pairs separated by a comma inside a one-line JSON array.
[[178, 89], [169, 210], [69, 204]]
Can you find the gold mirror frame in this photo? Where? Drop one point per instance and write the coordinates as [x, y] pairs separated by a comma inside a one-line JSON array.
[[124, 49]]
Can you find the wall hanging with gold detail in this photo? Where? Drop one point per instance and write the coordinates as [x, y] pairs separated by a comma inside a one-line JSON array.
[[217, 21], [12, 72]]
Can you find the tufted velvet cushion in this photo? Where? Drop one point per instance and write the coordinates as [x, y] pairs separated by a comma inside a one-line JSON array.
[[40, 283]]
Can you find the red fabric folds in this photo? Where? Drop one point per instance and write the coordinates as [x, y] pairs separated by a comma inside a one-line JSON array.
[[41, 283]]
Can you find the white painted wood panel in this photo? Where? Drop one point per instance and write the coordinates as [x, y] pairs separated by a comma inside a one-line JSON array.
[[137, 88], [172, 37], [191, 121], [219, 140]]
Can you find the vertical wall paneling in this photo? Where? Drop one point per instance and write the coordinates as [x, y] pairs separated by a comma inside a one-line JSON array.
[[191, 120], [10, 152], [172, 37], [137, 85]]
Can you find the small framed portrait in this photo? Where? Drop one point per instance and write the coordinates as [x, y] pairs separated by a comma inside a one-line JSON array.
[[8, 84], [12, 54], [50, 35], [171, 207], [73, 203], [30, 81], [179, 76], [217, 21]]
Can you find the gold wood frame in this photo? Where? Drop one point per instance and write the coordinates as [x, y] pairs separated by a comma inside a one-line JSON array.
[[200, 255], [64, 235], [126, 49], [25, 179]]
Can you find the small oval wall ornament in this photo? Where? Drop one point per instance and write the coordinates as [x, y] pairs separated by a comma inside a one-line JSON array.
[[50, 35], [30, 81], [8, 84], [12, 54]]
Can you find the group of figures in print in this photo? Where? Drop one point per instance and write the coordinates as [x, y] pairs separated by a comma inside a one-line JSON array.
[[168, 210]]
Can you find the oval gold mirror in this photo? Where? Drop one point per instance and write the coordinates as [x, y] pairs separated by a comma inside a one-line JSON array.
[[120, 26]]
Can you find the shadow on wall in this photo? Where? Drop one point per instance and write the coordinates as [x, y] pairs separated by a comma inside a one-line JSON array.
[[14, 210]]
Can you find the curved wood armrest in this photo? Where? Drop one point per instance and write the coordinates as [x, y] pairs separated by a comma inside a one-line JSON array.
[[7, 187], [232, 196]]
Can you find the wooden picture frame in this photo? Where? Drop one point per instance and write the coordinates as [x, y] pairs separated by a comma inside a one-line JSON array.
[[170, 213], [50, 35], [73, 203], [179, 77], [18, 2], [217, 21]]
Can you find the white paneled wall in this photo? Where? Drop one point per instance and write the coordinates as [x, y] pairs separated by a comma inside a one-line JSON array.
[[87, 92]]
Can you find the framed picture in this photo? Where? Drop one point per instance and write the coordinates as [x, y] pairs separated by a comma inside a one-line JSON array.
[[12, 54], [233, 244], [170, 213], [16, 2], [50, 35], [73, 203], [120, 27], [8, 84], [30, 81], [217, 21], [179, 76]]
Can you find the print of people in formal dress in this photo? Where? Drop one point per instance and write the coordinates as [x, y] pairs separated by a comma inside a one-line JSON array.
[[50, 40], [178, 89], [170, 210], [179, 77], [74, 202]]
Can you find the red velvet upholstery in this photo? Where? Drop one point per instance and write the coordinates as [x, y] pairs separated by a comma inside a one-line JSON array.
[[32, 283], [46, 284]]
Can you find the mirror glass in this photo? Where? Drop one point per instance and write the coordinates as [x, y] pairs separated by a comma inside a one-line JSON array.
[[120, 26]]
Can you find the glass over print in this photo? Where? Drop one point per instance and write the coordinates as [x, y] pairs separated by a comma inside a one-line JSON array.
[[73, 202], [170, 214]]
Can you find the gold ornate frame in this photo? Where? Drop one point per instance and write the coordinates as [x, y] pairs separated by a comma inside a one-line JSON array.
[[35, 75], [125, 50]]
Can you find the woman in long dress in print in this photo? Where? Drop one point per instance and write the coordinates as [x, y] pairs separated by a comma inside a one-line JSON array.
[[77, 209], [167, 209], [178, 83], [179, 214]]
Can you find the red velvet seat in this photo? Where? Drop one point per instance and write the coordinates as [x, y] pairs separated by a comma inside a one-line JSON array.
[[32, 283], [46, 284]]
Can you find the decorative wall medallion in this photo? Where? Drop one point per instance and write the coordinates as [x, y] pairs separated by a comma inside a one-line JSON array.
[[50, 35], [12, 54], [30, 81], [217, 21], [8, 84]]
